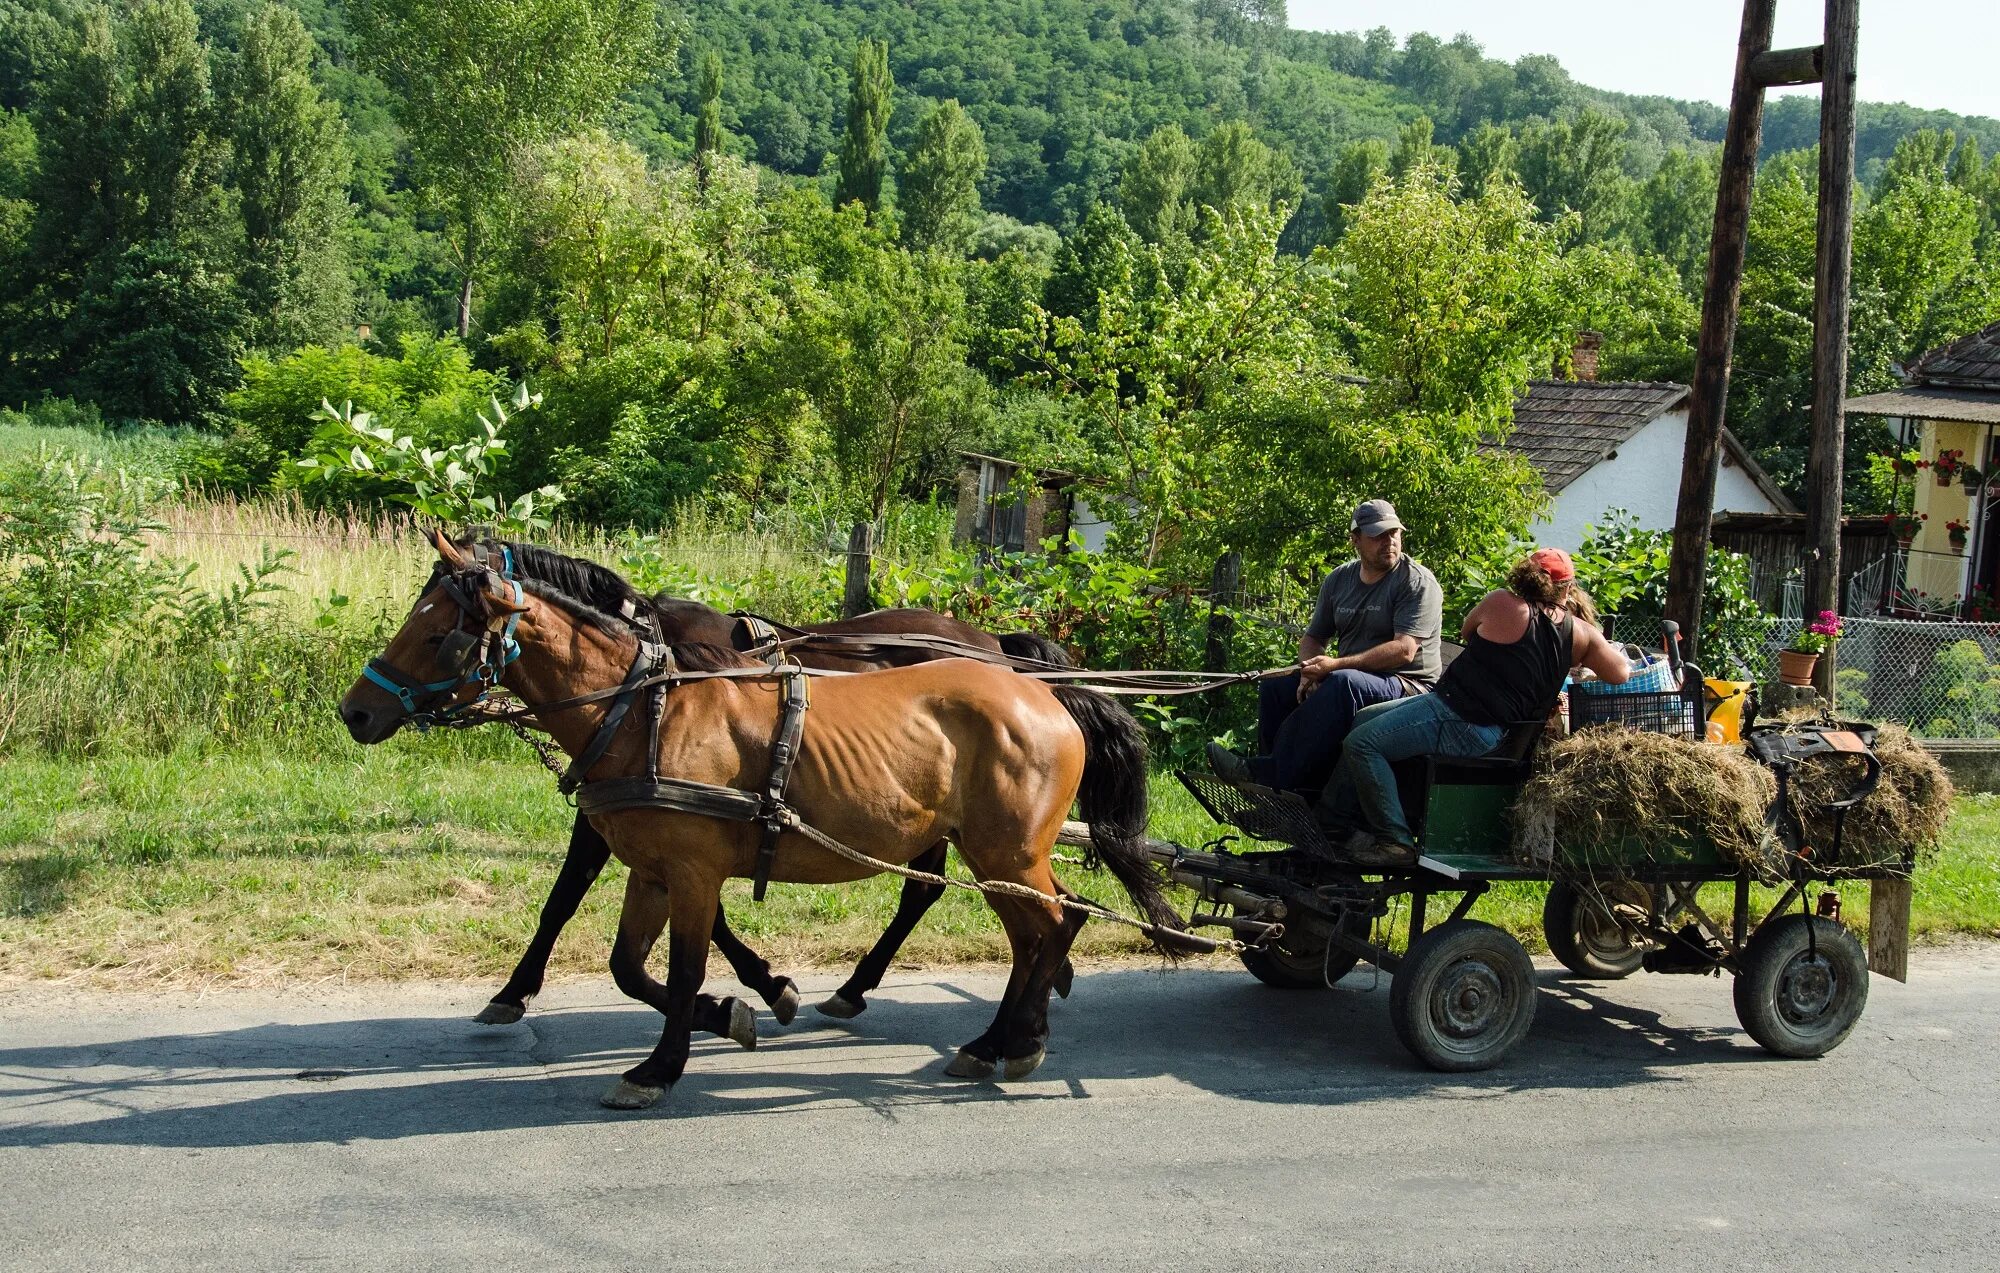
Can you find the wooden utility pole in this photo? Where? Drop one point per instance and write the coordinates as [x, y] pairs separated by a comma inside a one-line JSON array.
[[1825, 460], [1758, 67], [1687, 571], [855, 598]]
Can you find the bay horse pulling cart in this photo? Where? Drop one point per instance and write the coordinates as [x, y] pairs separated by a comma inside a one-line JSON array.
[[1463, 992]]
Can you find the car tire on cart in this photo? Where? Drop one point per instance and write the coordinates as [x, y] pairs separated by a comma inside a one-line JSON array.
[[1463, 997], [1803, 985], [1303, 960], [1586, 940]]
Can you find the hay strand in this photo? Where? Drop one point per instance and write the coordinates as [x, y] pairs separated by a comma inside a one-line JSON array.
[[1907, 812], [1612, 788]]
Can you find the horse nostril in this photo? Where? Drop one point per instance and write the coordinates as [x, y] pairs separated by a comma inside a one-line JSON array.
[[356, 717]]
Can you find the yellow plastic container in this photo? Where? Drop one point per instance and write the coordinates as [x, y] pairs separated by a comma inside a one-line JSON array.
[[1724, 701]]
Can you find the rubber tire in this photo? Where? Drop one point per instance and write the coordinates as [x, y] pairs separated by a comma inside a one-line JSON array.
[[1473, 955], [1779, 946], [1570, 946], [1312, 969]]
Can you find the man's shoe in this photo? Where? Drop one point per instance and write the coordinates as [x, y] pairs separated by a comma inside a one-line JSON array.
[[1228, 766], [1371, 848]]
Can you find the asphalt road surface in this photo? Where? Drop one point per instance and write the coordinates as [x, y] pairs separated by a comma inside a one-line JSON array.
[[1185, 1120]]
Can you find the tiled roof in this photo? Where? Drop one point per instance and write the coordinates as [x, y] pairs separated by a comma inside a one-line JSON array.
[[1565, 427], [1970, 362]]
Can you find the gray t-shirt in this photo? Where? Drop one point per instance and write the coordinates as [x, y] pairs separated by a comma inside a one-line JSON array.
[[1359, 616]]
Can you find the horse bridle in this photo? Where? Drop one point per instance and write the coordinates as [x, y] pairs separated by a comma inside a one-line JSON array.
[[471, 657]]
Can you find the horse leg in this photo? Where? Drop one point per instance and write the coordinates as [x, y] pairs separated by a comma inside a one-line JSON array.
[[1017, 1039], [851, 1000], [691, 909], [645, 913], [780, 994], [580, 868]]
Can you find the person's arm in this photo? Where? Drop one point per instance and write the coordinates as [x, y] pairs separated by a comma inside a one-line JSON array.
[[1310, 647], [1592, 651]]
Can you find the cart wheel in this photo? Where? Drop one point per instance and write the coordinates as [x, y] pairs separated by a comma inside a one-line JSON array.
[[1464, 996], [1801, 1000], [1302, 960], [1587, 941]]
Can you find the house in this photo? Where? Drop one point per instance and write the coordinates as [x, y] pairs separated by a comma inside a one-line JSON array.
[[1949, 409], [1600, 445], [994, 513]]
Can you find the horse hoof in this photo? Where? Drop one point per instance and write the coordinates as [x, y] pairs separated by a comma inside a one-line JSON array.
[[967, 1066], [1020, 1067], [625, 1094], [786, 1005], [743, 1024], [498, 1013], [835, 1006], [1064, 976]]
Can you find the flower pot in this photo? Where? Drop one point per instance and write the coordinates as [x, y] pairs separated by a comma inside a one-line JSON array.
[[1957, 545], [1970, 484], [1904, 541], [1945, 477], [1795, 668]]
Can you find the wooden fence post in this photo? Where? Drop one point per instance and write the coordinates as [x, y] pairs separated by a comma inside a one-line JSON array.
[[1222, 594], [860, 553]]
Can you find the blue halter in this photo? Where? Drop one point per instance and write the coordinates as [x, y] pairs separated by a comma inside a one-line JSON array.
[[484, 674]]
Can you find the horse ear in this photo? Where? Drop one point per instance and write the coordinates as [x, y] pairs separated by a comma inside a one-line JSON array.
[[447, 550]]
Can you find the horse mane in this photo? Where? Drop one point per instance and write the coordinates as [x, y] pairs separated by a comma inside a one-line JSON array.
[[579, 581]]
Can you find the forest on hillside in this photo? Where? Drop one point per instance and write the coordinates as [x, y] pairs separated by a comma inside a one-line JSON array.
[[756, 250]]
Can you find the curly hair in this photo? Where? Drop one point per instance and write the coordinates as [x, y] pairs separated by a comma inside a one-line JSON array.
[[1533, 584], [1581, 604]]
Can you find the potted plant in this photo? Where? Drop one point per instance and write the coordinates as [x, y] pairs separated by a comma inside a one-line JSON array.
[[1947, 465], [1801, 654], [1905, 464], [1970, 479], [1957, 531], [1904, 526]]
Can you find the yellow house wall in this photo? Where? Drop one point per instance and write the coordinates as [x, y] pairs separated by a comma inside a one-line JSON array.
[[1943, 575]]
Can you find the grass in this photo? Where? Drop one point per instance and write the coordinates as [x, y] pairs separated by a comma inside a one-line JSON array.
[[429, 858]]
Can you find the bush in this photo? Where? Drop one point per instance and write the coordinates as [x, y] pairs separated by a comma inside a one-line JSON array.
[[430, 391]]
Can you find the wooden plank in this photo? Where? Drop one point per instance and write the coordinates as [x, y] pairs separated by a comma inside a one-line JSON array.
[[1889, 928], [1831, 278], [1687, 574], [1777, 67]]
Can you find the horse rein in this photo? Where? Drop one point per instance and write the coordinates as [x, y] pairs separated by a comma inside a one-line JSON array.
[[492, 649]]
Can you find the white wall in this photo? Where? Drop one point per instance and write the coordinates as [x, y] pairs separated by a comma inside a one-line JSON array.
[[1643, 478]]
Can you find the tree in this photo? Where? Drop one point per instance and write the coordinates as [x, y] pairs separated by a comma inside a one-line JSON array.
[[1575, 164], [1485, 157], [1153, 192], [1677, 211], [1415, 149], [290, 166], [173, 145], [476, 81], [862, 158], [939, 188], [708, 123], [1361, 165], [1233, 169]]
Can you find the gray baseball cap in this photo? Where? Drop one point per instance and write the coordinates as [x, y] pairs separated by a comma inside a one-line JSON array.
[[1375, 517]]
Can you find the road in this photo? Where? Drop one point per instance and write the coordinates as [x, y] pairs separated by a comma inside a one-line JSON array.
[[1187, 1119]]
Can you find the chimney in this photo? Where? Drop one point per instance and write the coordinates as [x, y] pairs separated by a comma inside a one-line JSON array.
[[1583, 355]]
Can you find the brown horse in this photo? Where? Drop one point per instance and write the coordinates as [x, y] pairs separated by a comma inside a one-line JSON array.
[[893, 761], [677, 620]]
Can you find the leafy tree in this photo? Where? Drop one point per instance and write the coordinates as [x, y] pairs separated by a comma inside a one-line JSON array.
[[476, 81], [1485, 156], [1153, 193], [862, 159], [938, 193], [1233, 169], [1575, 164], [1361, 165], [1415, 149], [1677, 211], [708, 124], [290, 166]]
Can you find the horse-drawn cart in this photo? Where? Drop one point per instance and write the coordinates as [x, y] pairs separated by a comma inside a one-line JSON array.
[[1463, 991]]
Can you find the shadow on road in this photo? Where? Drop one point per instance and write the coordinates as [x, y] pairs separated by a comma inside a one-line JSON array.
[[397, 1077]]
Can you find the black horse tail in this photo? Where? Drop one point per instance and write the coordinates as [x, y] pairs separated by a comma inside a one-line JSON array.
[[1112, 800], [1031, 645]]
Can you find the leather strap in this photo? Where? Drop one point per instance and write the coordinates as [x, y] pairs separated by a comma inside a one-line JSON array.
[[784, 753], [644, 660]]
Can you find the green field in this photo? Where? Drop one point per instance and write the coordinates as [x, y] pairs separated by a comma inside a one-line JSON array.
[[428, 857]]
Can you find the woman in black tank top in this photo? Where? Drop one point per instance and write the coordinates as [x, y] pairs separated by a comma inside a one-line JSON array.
[[1494, 684]]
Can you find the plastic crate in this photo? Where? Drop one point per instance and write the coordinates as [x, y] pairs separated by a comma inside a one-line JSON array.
[[1677, 713]]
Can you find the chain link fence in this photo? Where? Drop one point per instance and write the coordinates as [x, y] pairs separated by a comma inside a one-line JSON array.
[[1941, 679]]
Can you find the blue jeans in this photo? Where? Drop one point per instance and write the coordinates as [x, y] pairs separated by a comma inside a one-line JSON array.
[[1420, 726], [1301, 741]]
